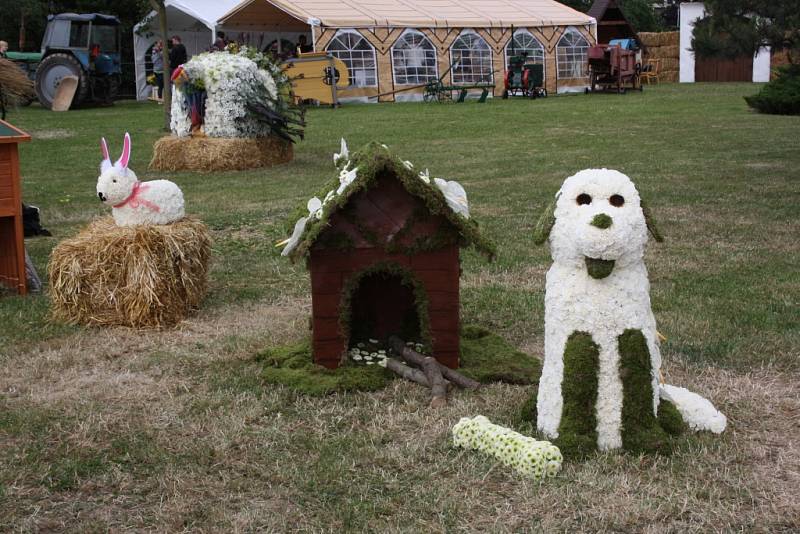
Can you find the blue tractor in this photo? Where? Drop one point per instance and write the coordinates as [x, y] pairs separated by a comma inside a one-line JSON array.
[[85, 46]]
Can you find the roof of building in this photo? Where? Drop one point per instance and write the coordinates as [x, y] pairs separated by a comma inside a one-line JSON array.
[[371, 163], [405, 13]]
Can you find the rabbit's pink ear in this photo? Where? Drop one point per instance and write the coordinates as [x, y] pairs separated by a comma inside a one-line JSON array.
[[126, 152], [104, 148]]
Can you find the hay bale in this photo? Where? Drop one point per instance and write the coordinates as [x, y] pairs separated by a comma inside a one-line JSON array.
[[669, 76], [139, 276], [16, 88], [206, 154], [659, 38], [670, 63], [663, 52]]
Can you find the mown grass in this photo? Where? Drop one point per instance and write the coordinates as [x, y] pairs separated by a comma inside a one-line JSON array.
[[109, 428]]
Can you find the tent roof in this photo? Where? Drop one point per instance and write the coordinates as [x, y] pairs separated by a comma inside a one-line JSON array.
[[406, 13], [189, 14]]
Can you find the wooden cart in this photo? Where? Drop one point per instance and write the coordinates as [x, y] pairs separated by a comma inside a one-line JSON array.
[[12, 243]]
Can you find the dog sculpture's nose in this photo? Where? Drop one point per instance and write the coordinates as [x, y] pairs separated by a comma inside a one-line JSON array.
[[100, 196], [602, 221]]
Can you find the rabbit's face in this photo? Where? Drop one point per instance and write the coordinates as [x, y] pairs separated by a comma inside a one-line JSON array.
[[598, 217], [115, 185]]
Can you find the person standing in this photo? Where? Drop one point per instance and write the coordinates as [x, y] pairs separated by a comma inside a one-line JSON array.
[[3, 49], [158, 66], [177, 56]]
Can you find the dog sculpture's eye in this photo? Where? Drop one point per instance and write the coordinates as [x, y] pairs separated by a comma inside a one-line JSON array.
[[114, 180], [617, 200], [583, 198]]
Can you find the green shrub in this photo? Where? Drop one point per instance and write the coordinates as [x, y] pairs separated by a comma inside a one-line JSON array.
[[781, 96]]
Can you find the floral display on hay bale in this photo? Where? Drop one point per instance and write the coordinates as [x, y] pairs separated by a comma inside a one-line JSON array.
[[139, 276], [146, 266], [382, 242], [600, 380], [234, 99]]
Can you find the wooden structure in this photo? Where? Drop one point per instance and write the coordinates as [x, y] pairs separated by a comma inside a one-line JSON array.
[[12, 243], [611, 21], [384, 261], [739, 69], [317, 76]]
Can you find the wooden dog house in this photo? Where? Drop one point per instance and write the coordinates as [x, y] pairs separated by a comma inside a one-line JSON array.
[[384, 259], [12, 243]]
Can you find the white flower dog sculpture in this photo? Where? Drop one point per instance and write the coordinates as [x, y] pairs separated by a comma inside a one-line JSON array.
[[600, 380], [133, 202]]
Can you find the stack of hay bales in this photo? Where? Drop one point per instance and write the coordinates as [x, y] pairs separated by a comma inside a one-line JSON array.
[[138, 276], [663, 46]]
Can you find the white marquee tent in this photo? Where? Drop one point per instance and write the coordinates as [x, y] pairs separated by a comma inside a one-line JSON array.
[[195, 21]]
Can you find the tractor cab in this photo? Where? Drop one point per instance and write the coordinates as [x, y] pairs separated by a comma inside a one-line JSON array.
[[86, 46]]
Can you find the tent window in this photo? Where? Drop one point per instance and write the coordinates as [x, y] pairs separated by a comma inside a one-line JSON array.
[[413, 59], [471, 58], [524, 43], [359, 56], [572, 55]]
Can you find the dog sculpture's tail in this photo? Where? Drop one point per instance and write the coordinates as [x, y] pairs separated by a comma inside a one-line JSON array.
[[698, 413]]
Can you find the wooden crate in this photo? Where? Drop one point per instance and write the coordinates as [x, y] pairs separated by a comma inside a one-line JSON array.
[[12, 243]]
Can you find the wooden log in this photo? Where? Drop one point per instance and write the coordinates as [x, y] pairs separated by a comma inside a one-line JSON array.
[[414, 357], [409, 373], [438, 387]]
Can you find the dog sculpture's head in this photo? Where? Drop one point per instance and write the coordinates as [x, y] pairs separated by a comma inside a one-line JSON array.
[[597, 220], [116, 180]]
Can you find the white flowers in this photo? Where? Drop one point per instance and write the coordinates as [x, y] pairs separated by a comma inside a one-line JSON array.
[[231, 82], [697, 412], [455, 196], [532, 458], [343, 155], [314, 206], [346, 178], [369, 354]]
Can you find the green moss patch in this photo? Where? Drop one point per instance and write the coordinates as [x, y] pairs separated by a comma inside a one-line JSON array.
[[670, 418], [485, 357], [640, 429], [599, 269], [577, 433]]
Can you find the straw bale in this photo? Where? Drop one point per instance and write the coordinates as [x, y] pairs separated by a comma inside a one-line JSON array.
[[670, 63], [206, 154], [669, 76], [138, 276], [659, 38], [15, 86], [662, 52]]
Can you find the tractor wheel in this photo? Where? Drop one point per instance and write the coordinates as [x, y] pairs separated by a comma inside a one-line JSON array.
[[49, 74]]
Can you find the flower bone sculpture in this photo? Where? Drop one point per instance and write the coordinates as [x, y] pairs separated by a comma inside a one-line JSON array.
[[132, 202]]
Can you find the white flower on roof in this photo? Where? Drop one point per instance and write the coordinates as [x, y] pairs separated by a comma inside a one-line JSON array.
[[455, 196], [408, 165], [343, 155], [346, 178], [329, 196], [314, 206], [425, 176]]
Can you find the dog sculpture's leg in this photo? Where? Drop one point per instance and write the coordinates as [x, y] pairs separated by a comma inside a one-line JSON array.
[[641, 431], [577, 431]]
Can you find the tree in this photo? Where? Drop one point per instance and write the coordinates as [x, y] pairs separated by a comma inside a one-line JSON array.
[[740, 27], [161, 9]]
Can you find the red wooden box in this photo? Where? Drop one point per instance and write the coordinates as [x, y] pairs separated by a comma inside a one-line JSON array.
[[12, 243]]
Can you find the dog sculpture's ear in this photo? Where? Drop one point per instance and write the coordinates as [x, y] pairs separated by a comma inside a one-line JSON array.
[[650, 221], [546, 222]]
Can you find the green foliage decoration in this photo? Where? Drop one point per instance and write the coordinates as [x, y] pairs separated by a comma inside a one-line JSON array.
[[577, 432], [780, 96], [641, 431]]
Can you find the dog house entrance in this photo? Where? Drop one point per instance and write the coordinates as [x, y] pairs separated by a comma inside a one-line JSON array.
[[382, 306]]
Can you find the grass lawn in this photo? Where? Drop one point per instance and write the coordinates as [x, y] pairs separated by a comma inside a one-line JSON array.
[[108, 429]]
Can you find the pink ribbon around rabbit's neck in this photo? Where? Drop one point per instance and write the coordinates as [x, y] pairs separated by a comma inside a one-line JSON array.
[[136, 202]]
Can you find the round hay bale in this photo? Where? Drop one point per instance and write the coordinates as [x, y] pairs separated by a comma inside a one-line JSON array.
[[206, 154], [138, 276]]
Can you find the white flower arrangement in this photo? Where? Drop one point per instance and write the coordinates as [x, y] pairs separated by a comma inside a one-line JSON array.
[[532, 458], [698, 413]]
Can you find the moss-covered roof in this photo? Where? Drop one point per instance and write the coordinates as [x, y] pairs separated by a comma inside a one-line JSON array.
[[373, 161]]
